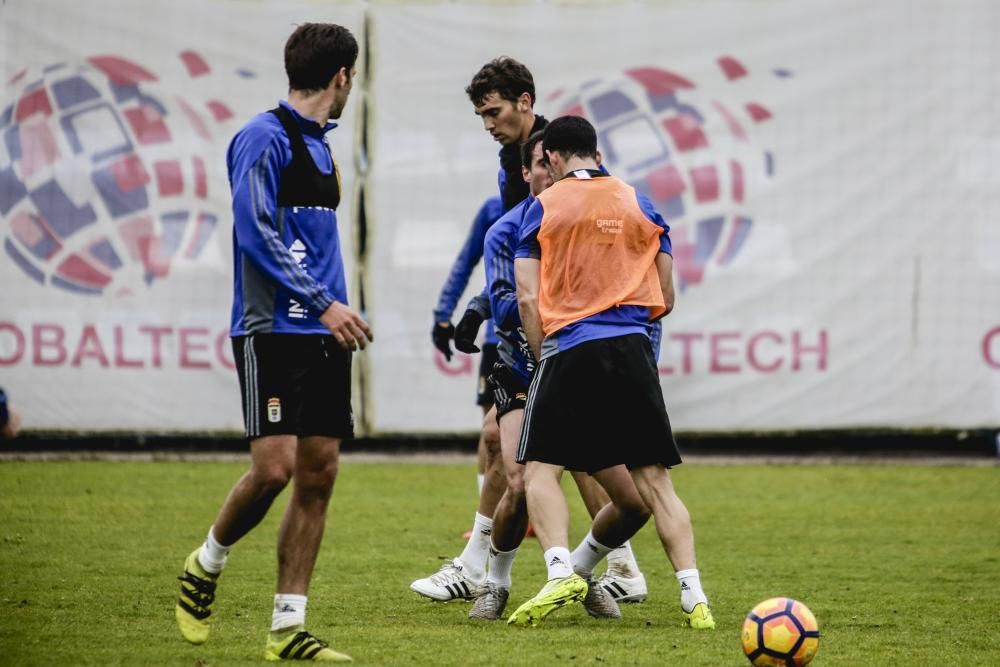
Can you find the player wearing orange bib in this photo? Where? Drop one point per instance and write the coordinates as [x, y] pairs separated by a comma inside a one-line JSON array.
[[593, 267]]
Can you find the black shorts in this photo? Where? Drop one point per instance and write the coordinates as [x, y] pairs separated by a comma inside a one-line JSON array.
[[598, 405], [488, 358], [294, 384], [509, 392]]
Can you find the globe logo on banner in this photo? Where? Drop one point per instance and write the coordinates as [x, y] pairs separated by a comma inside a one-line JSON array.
[[691, 154], [103, 182]]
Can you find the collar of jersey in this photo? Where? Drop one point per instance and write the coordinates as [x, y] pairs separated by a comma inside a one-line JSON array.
[[594, 173], [308, 125]]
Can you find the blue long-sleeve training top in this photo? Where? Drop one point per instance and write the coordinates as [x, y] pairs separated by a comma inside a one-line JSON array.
[[501, 242], [287, 259], [468, 257]]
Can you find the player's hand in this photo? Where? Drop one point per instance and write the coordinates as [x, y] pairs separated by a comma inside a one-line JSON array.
[[441, 334], [347, 327], [467, 331]]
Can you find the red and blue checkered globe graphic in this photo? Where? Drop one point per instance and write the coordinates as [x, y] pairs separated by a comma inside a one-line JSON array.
[[103, 183], [689, 152]]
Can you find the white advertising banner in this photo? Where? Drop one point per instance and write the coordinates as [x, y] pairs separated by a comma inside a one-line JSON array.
[[828, 169], [116, 267]]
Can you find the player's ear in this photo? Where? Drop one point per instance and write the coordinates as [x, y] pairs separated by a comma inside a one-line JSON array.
[[524, 102], [598, 158], [525, 174]]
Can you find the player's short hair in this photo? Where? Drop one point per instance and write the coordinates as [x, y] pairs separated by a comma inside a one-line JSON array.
[[315, 52], [569, 136], [506, 77], [528, 148]]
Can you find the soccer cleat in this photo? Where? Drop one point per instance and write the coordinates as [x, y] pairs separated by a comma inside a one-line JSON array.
[[296, 644], [449, 583], [555, 593], [699, 618], [622, 588], [197, 594], [599, 603], [490, 604]]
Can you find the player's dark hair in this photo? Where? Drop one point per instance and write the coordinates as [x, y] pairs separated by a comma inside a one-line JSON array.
[[315, 52], [569, 136], [505, 76], [528, 148]]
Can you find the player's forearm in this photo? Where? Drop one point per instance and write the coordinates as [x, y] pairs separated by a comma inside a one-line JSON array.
[[531, 322], [527, 272]]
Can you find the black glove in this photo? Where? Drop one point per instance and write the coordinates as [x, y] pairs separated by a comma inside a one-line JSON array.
[[442, 335], [467, 331]]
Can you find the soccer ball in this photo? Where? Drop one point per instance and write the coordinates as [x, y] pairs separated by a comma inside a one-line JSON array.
[[780, 632]]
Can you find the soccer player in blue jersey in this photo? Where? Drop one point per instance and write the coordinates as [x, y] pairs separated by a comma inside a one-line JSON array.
[[293, 334], [503, 95], [593, 268], [443, 332]]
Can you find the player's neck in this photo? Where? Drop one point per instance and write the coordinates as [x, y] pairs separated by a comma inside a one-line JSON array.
[[527, 124], [576, 163], [314, 106]]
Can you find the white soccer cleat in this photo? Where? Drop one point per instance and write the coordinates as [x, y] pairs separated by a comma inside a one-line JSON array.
[[451, 582], [622, 588]]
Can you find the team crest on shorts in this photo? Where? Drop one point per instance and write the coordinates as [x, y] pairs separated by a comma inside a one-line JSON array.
[[274, 410]]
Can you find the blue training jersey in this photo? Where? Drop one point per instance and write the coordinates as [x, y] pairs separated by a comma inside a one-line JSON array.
[[468, 257], [501, 241], [617, 321], [287, 260]]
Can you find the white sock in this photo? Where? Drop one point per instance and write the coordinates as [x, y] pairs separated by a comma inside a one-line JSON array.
[[477, 549], [558, 561], [289, 610], [212, 555], [622, 561], [691, 593], [480, 480], [501, 563], [586, 556]]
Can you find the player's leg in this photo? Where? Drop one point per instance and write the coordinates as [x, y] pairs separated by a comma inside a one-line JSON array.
[[261, 367], [550, 516], [247, 503], [325, 420], [613, 524], [673, 526], [299, 539], [464, 577], [623, 581], [477, 548], [509, 520]]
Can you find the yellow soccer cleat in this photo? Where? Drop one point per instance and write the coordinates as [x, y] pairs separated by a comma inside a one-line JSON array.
[[296, 644], [699, 618], [197, 594], [555, 593]]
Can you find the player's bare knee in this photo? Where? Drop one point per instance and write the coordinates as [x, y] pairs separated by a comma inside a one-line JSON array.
[[270, 479], [515, 482], [491, 437]]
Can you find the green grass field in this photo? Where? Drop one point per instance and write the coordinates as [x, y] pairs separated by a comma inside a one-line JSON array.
[[901, 565]]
